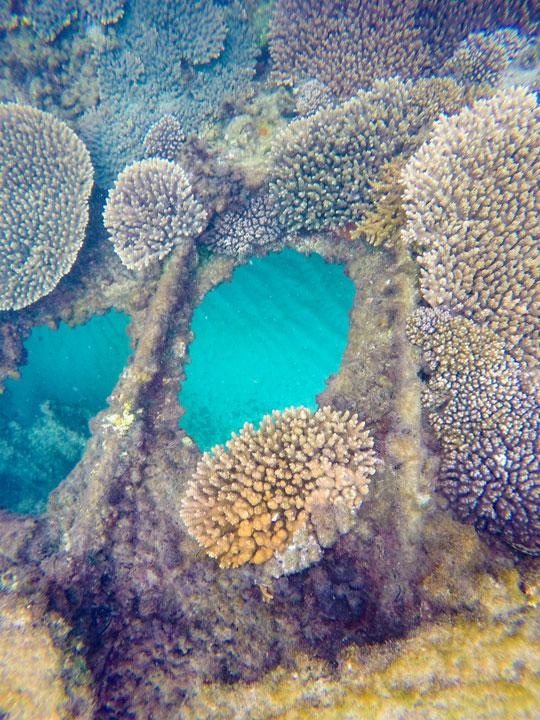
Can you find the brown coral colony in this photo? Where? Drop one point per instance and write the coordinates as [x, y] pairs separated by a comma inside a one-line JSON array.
[[246, 503]]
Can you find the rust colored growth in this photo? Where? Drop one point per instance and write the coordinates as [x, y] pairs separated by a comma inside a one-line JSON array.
[[253, 499]]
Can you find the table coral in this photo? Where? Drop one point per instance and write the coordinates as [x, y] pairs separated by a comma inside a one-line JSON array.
[[150, 209], [471, 198], [281, 492], [45, 182]]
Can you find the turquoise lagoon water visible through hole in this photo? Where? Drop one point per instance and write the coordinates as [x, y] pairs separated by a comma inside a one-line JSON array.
[[266, 341], [44, 415]]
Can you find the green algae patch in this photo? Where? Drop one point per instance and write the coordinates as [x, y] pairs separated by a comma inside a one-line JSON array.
[[266, 341], [44, 416]]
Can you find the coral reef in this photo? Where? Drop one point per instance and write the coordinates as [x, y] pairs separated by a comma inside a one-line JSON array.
[[324, 165], [486, 414], [45, 183], [471, 196], [164, 139], [145, 76], [243, 231], [280, 492], [483, 57], [150, 209], [106, 11], [345, 45]]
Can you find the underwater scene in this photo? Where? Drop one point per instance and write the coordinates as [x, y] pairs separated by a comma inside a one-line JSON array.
[[269, 359]]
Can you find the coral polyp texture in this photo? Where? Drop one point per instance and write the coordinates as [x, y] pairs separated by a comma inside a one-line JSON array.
[[45, 181], [345, 45], [495, 484], [471, 197], [484, 407], [164, 138], [483, 56], [106, 11], [279, 494], [324, 165], [150, 210], [242, 231]]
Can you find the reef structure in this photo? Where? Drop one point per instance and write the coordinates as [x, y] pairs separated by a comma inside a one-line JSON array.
[[45, 183], [283, 492]]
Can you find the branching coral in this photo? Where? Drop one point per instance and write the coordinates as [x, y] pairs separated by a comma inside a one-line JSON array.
[[239, 232], [472, 195], [482, 57], [164, 139], [324, 165], [151, 209], [281, 492], [45, 182], [485, 409], [146, 76], [345, 44]]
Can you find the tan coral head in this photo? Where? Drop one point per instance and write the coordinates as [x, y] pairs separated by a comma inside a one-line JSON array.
[[279, 494]]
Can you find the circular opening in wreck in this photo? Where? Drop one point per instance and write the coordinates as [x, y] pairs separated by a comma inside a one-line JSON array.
[[44, 416], [267, 340]]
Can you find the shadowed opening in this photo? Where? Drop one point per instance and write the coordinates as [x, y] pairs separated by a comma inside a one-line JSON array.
[[266, 341]]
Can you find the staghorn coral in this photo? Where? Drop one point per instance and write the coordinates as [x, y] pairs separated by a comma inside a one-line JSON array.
[[483, 56], [281, 492], [324, 166], [444, 25], [50, 17], [145, 76], [241, 232], [345, 44], [485, 408], [45, 183], [151, 209], [471, 197], [164, 139], [198, 27]]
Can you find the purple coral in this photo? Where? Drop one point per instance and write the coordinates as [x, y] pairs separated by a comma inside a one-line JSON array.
[[240, 232]]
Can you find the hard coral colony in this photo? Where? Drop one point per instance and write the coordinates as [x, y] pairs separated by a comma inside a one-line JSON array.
[[161, 581]]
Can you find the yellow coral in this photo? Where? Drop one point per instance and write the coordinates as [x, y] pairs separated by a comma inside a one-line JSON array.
[[282, 491]]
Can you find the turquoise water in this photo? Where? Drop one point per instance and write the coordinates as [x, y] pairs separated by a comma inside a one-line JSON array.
[[267, 340], [44, 415]]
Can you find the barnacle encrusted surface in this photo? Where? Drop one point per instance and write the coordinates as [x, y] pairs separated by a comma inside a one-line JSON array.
[[45, 182], [485, 408], [151, 209], [472, 195], [164, 138], [283, 491], [324, 165]]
